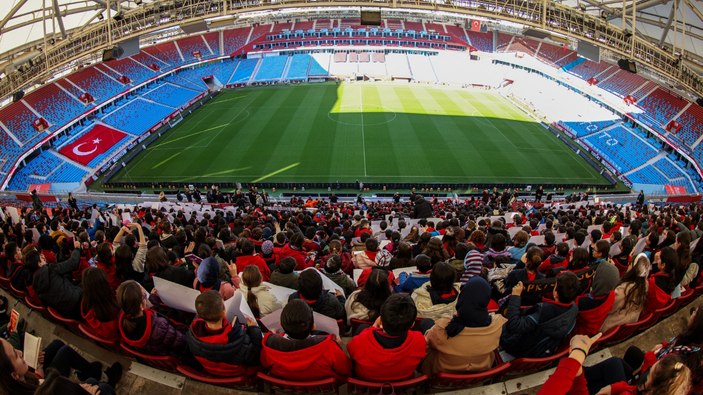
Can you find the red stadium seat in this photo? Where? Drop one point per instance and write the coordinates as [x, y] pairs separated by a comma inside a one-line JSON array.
[[17, 293], [685, 298], [112, 345], [646, 322], [71, 324], [354, 323], [454, 381], [521, 365], [5, 283], [276, 385], [163, 362], [239, 382], [607, 337], [411, 386], [36, 305]]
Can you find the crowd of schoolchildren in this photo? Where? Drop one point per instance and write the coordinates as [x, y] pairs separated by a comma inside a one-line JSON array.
[[473, 290]]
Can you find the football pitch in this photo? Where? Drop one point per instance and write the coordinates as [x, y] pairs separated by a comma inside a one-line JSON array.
[[372, 132]]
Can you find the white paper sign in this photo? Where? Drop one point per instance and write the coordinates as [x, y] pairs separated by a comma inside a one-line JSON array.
[[639, 247], [357, 274], [408, 270], [281, 293], [326, 282], [323, 323], [237, 306], [14, 214], [175, 295]]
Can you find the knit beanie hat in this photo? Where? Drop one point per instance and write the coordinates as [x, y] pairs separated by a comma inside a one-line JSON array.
[[209, 272], [267, 247], [606, 279]]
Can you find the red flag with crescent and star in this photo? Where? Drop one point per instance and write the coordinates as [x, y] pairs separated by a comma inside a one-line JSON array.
[[97, 141]]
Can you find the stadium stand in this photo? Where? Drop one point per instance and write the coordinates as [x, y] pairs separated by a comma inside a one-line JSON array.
[[109, 71], [503, 42], [137, 116], [159, 356], [520, 45], [47, 167], [147, 60], [99, 85], [624, 149], [661, 106], [213, 41], [691, 124], [622, 83], [136, 72], [580, 129], [55, 105], [458, 33], [349, 23], [299, 65], [18, 118], [234, 39], [568, 61], [316, 68], [481, 41], [435, 27], [414, 26], [589, 69], [191, 45], [648, 175], [259, 31], [303, 26], [243, 72], [167, 53], [71, 88], [171, 95]]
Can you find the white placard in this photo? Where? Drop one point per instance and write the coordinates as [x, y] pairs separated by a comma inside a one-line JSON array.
[[323, 323], [357, 274], [326, 282], [14, 214], [175, 295], [408, 270], [281, 293], [237, 306]]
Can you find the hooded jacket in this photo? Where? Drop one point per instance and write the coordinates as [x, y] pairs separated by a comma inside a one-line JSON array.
[[656, 296], [427, 309], [317, 357], [105, 330], [247, 260], [373, 362], [327, 304], [472, 350], [231, 351], [422, 209], [539, 332], [299, 256], [55, 289], [159, 336], [288, 280], [266, 300], [343, 280]]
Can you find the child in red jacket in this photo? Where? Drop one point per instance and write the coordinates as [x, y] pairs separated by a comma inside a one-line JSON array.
[[389, 351], [299, 355]]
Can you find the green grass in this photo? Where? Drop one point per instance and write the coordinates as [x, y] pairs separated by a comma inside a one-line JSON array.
[[365, 131]]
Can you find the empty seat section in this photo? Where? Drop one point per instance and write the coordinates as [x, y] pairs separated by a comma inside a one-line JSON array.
[[137, 116], [171, 95], [271, 68]]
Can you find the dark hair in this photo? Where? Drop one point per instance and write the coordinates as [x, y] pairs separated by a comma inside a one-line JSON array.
[[123, 261], [423, 263], [130, 297], [549, 238], [498, 242], [98, 295], [287, 265], [375, 291], [104, 254], [579, 259], [636, 294], [596, 235], [398, 314], [247, 247], [251, 277], [297, 319], [31, 260], [156, 259], [209, 306], [310, 284], [533, 256], [371, 244], [603, 247], [684, 253], [10, 386], [670, 259], [568, 287], [460, 251], [443, 277], [562, 249], [333, 263]]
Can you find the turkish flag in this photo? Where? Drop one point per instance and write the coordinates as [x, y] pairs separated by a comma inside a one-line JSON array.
[[97, 141], [475, 25]]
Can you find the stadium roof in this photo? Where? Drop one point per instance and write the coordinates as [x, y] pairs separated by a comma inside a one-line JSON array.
[[673, 23]]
